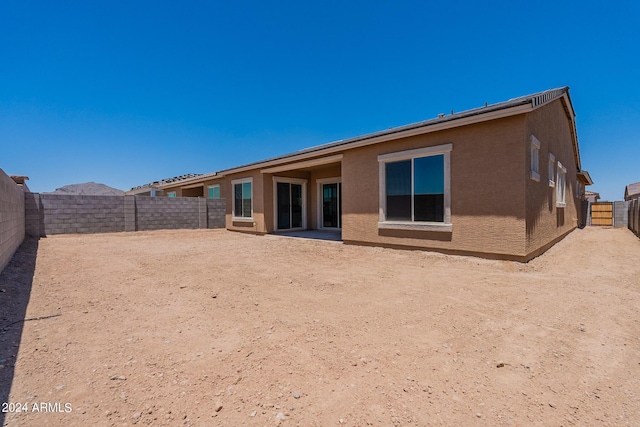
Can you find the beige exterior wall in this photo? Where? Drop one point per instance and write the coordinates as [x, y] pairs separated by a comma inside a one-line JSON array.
[[546, 223], [487, 191]]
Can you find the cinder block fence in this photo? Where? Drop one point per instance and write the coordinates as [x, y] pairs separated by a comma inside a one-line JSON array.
[[48, 214], [634, 216], [11, 218]]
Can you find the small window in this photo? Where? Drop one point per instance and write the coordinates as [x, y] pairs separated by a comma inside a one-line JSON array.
[[242, 199], [171, 194], [414, 189], [535, 162], [552, 175], [214, 191], [561, 184]]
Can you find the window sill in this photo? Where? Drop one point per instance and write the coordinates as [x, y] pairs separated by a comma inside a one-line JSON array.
[[552, 184], [241, 219], [535, 176], [561, 205], [418, 226]]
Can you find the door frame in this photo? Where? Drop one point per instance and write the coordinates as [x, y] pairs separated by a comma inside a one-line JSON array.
[[320, 183], [282, 179]]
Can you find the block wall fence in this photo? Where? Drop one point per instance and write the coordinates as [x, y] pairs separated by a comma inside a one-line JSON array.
[[620, 214], [47, 214], [634, 216], [11, 218]]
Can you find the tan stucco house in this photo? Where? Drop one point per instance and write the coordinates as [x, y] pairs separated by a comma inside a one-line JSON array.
[[501, 181]]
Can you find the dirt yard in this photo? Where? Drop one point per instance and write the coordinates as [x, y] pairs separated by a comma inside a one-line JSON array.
[[205, 328]]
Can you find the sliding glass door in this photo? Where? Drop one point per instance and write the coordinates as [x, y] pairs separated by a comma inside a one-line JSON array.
[[289, 205], [331, 205]]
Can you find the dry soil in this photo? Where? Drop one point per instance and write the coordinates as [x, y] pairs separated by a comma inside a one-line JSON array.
[[205, 328]]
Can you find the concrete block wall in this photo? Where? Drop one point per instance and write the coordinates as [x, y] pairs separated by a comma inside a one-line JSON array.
[[67, 214], [160, 213], [48, 214], [620, 214], [633, 216], [34, 219], [12, 218], [216, 209]]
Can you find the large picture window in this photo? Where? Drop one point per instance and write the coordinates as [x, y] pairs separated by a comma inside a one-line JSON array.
[[242, 199], [414, 189]]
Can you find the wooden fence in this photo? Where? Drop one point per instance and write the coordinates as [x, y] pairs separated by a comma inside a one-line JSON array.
[[602, 213]]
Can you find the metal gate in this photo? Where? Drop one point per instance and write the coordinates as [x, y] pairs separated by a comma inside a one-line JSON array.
[[602, 213]]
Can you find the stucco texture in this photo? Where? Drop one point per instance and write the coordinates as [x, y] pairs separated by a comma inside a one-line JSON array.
[[546, 222], [487, 191]]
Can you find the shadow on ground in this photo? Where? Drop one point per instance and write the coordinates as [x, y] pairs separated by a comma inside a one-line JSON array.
[[15, 290]]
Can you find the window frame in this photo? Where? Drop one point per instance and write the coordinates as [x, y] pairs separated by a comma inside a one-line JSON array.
[[210, 187], [561, 186], [235, 182], [171, 194], [535, 159], [551, 170], [383, 159]]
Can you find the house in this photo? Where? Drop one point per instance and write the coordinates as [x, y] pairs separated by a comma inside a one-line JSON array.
[[154, 189], [632, 191], [500, 181], [591, 196]]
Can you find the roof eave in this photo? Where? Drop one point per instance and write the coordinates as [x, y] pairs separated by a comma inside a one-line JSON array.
[[585, 178], [374, 138]]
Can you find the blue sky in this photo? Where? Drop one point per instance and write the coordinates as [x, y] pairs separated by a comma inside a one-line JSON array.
[[125, 93]]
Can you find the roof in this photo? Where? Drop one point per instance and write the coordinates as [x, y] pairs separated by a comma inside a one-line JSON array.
[[585, 178], [593, 194], [530, 102], [157, 184], [19, 179], [514, 106], [632, 191]]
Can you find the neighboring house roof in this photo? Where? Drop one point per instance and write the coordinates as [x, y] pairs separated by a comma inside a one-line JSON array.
[[632, 191], [508, 108], [196, 179], [21, 181], [162, 182], [593, 194]]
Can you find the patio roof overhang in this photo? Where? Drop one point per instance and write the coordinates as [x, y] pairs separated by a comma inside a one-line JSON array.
[[305, 164]]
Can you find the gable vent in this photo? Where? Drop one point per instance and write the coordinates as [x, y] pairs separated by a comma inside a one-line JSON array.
[[546, 97]]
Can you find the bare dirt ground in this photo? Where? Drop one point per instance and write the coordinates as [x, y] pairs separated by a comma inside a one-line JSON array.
[[205, 328]]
